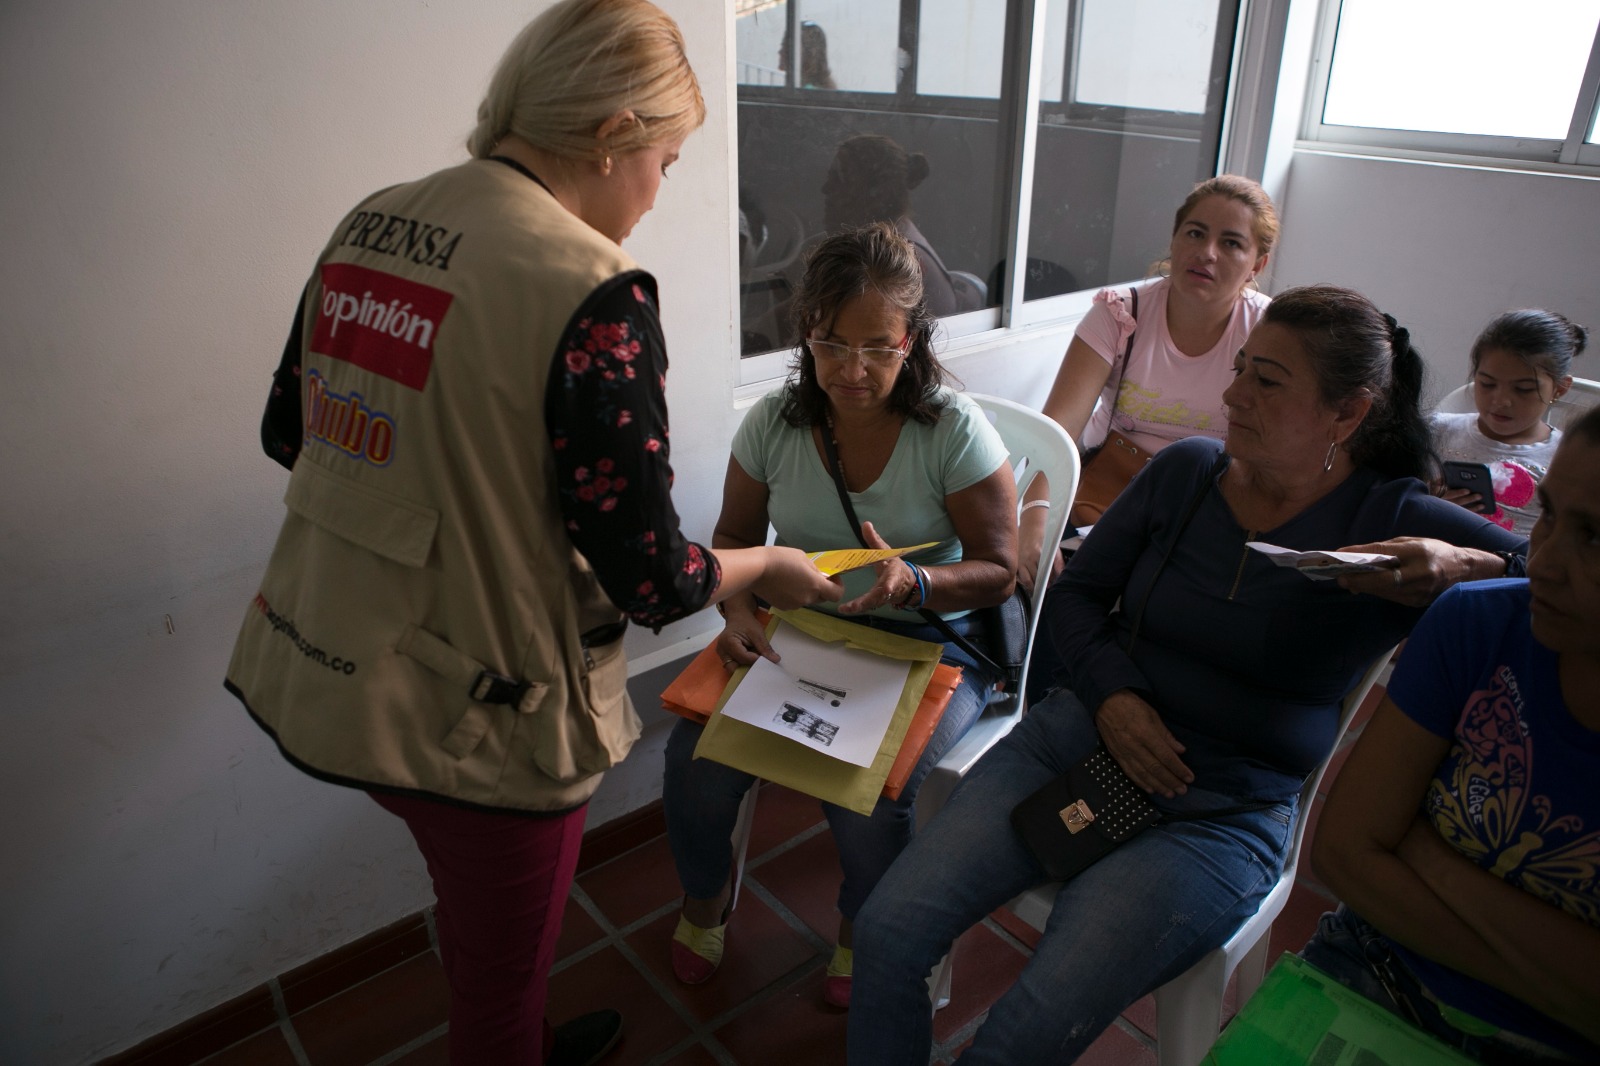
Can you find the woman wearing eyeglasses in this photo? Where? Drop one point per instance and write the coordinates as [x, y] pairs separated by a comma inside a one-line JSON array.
[[921, 463]]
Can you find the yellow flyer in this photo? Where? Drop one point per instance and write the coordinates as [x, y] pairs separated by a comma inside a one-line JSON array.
[[841, 559]]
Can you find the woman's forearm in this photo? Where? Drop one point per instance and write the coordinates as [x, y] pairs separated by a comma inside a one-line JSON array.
[[967, 585], [735, 596], [1539, 953], [1401, 903]]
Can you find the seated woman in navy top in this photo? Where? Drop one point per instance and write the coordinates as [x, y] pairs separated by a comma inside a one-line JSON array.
[[1228, 694], [1465, 829]]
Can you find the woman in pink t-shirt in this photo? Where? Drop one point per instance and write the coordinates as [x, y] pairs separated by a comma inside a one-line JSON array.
[[1190, 322]]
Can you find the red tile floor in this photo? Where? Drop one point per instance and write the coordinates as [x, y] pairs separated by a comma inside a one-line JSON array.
[[763, 1007]]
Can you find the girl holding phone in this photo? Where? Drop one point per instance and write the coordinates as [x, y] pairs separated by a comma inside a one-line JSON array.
[[1521, 365]]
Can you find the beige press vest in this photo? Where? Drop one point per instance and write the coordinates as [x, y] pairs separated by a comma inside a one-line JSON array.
[[424, 541]]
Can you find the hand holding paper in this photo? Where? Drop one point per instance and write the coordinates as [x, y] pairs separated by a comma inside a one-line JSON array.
[[896, 580], [1324, 566]]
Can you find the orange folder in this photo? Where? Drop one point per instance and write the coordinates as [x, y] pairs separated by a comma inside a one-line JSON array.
[[694, 695]]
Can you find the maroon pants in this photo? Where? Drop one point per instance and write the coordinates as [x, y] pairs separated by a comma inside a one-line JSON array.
[[501, 882]]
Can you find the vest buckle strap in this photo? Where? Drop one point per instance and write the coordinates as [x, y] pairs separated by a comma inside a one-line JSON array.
[[490, 687]]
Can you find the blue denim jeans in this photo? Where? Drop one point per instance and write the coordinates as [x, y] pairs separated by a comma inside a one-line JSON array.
[[701, 798], [1352, 952], [1138, 917]]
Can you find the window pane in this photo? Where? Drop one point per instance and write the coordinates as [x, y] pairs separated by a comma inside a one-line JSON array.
[[844, 44], [811, 161], [1105, 182], [1460, 66], [1052, 85], [959, 48], [1147, 53]]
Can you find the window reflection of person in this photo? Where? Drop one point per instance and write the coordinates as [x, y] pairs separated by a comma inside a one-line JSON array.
[[871, 181], [814, 72]]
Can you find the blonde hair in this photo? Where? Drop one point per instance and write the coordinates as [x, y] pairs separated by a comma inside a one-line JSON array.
[[578, 64], [1264, 226]]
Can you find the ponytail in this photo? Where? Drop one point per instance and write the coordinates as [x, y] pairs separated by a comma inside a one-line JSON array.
[[1357, 350], [1394, 439]]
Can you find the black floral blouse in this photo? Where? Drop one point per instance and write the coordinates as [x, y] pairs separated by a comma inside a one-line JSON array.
[[606, 410], [606, 415]]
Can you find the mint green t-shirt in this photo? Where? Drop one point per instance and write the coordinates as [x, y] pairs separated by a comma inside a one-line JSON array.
[[906, 505]]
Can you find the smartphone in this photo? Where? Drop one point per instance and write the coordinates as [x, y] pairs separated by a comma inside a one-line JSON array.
[[1473, 477]]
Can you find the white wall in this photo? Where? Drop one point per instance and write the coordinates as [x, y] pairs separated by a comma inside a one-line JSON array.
[[1444, 248], [172, 168]]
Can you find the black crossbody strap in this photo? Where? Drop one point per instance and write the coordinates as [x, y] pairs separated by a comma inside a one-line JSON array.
[[1188, 516], [836, 469]]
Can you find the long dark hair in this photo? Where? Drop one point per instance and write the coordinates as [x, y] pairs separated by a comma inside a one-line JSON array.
[[1355, 350], [871, 258]]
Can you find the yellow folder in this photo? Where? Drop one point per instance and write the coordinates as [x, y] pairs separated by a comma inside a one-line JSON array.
[[767, 755]]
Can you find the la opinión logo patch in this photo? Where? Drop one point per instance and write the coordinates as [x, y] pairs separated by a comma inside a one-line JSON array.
[[379, 322]]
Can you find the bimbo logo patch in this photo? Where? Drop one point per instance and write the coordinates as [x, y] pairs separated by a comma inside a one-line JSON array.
[[346, 422], [379, 322]]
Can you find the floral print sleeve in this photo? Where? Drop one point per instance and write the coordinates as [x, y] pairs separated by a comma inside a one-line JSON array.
[[281, 422], [606, 411]]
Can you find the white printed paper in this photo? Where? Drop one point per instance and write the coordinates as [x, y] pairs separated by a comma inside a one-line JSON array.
[[1324, 566], [831, 698]]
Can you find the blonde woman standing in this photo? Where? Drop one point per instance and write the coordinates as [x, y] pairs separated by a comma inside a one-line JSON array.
[[472, 405]]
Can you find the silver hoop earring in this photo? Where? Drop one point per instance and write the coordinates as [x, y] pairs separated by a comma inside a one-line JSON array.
[[1333, 448]]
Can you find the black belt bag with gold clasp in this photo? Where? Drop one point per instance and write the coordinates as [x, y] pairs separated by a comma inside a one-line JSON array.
[[1082, 816]]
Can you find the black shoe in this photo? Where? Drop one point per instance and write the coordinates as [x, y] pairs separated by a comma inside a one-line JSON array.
[[586, 1039]]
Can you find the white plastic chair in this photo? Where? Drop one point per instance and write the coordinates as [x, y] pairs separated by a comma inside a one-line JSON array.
[[1189, 1007], [1457, 401], [1583, 395], [1037, 446]]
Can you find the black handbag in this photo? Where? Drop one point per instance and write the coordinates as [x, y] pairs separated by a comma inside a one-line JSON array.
[[1082, 816], [1004, 626]]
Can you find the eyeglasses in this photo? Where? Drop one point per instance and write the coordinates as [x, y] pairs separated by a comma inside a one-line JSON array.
[[840, 353]]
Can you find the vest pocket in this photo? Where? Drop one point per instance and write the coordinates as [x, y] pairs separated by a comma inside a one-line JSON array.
[[378, 521], [594, 728]]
